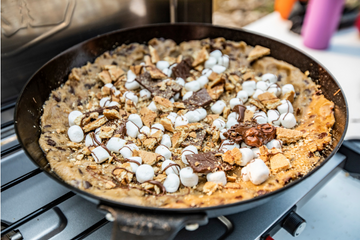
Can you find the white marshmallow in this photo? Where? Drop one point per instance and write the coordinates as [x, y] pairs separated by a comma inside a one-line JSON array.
[[163, 151], [155, 127], [210, 62], [224, 61], [258, 172], [172, 116], [285, 107], [216, 54], [117, 93], [287, 88], [246, 156], [228, 145], [131, 96], [202, 113], [176, 96], [257, 93], [90, 142], [132, 129], [152, 106], [275, 143], [218, 69], [130, 76], [251, 108], [273, 117], [113, 103], [167, 72], [275, 89], [234, 102], [192, 116], [145, 130], [207, 72], [115, 143], [72, 116], [234, 115], [218, 107], [288, 120], [144, 173], [187, 95], [135, 166], [260, 117], [231, 122], [75, 133], [203, 80], [192, 86], [186, 151], [145, 94], [180, 81], [109, 85], [244, 174], [218, 124], [166, 140], [135, 118], [242, 95], [269, 77], [97, 131], [222, 137], [244, 145], [100, 154], [172, 66], [262, 85], [249, 87], [162, 65], [256, 152], [181, 120], [132, 85], [127, 150], [172, 183], [188, 177], [170, 170], [217, 177], [104, 102]]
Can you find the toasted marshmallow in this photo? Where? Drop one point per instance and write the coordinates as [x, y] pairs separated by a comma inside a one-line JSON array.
[[172, 183], [287, 88], [242, 95], [145, 94], [256, 152], [161, 65], [163, 151], [192, 116], [132, 129], [127, 150], [231, 122], [115, 143], [181, 120], [104, 102], [207, 72], [217, 177], [246, 156], [257, 93], [249, 87], [285, 107], [172, 116], [188, 177], [222, 137], [89, 141], [202, 113], [275, 89], [152, 106], [167, 72], [144, 173], [234, 102], [72, 116], [260, 117], [262, 85], [224, 61], [218, 124], [273, 117], [275, 143], [288, 120], [180, 81], [244, 145], [75, 133], [170, 170], [131, 96], [132, 85], [244, 174], [218, 107], [228, 145], [192, 86], [156, 127], [135, 118], [135, 166], [187, 95], [203, 80], [186, 151], [210, 62], [100, 154], [166, 140], [218, 69], [269, 77], [216, 54], [258, 172]]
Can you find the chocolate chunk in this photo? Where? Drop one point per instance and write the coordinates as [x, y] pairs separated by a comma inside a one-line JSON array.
[[322, 135], [56, 98], [204, 162], [86, 184], [182, 70], [154, 86], [197, 142], [200, 98], [240, 109], [51, 142]]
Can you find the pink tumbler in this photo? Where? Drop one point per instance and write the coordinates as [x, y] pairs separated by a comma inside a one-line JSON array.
[[321, 20]]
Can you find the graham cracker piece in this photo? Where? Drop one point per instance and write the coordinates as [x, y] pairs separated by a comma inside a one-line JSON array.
[[232, 157], [215, 136], [266, 96], [210, 187], [147, 116], [232, 185], [288, 135], [264, 153], [178, 138], [114, 71], [233, 78], [231, 178], [200, 57], [210, 118], [160, 177], [167, 124], [122, 175], [150, 143], [155, 73], [257, 103], [154, 55], [258, 52], [248, 115], [216, 91], [249, 76], [163, 104], [214, 76], [111, 114], [105, 77], [137, 69], [106, 132], [147, 60], [190, 127], [289, 96], [217, 81], [75, 74], [272, 104], [179, 105], [95, 124], [226, 112], [278, 163], [149, 157]]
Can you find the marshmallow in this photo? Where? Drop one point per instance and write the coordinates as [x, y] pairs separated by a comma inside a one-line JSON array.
[[257, 171], [172, 66], [109, 85], [104, 102], [285, 107], [287, 88], [130, 76], [234, 102], [113, 103], [192, 116], [152, 106], [89, 141], [288, 120], [224, 61], [257, 93], [203, 80], [131, 96], [218, 69], [242, 95], [145, 94], [192, 86], [135, 166], [188, 177], [144, 173], [275, 143], [187, 95], [234, 115], [75, 133], [135, 118], [202, 113], [249, 87], [132, 85], [97, 131], [163, 151], [210, 62], [166, 140], [256, 152], [100, 154], [262, 85], [132, 129], [162, 65], [222, 137], [72, 116], [218, 107], [156, 127], [269, 77], [244, 145], [144, 131], [186, 151], [172, 116], [181, 120], [228, 145], [246, 156], [231, 122], [117, 93], [176, 96], [275, 89], [218, 124], [217, 177], [216, 54], [127, 150], [251, 108], [260, 117], [180, 81], [167, 72], [115, 143], [244, 174], [273, 117], [207, 72], [172, 183], [171, 170]]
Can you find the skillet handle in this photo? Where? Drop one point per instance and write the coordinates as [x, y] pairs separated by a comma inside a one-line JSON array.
[[130, 224]]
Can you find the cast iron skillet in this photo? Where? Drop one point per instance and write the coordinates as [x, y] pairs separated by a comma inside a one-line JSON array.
[[133, 219]]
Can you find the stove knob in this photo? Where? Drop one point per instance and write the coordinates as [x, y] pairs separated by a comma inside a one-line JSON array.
[[294, 224]]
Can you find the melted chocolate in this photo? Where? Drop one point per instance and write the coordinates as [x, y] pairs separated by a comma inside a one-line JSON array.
[[159, 184], [171, 165], [204, 162], [240, 109], [200, 98], [182, 69]]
